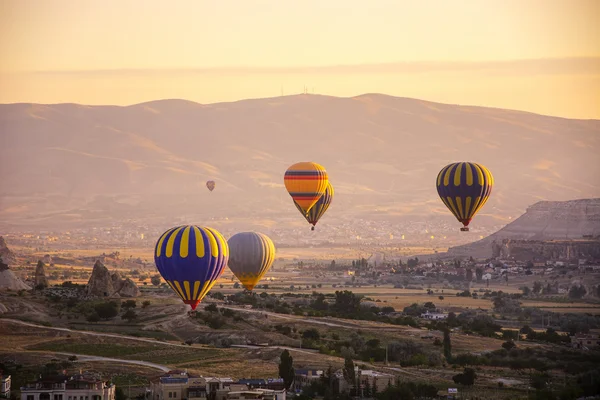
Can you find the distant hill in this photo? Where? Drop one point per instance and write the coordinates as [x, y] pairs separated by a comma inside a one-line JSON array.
[[68, 163], [545, 220]]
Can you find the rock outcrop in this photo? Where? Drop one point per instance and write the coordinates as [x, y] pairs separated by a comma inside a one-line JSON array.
[[129, 289], [104, 284], [40, 280], [5, 253], [544, 221], [8, 279]]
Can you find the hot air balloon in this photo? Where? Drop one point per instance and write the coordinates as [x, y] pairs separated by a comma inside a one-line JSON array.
[[210, 185], [317, 211], [191, 258], [251, 256], [306, 183], [464, 187]]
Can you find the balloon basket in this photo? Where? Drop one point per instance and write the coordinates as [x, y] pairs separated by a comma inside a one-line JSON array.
[[312, 229], [192, 313], [464, 229]]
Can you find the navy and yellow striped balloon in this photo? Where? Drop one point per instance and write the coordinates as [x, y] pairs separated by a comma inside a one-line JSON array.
[[464, 187], [317, 211], [191, 259]]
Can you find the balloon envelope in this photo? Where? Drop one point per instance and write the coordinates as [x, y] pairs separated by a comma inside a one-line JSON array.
[[190, 259], [306, 183], [464, 187], [251, 256], [317, 211], [210, 185]]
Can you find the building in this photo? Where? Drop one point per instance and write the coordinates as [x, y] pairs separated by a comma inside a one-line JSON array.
[[376, 381], [367, 378], [257, 394], [179, 385], [4, 386], [434, 316], [585, 341], [84, 386], [304, 377], [270, 383]]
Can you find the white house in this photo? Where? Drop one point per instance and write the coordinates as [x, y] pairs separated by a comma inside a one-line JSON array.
[[64, 387], [434, 316]]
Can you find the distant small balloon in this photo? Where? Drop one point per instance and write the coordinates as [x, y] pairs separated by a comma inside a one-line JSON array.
[[210, 185]]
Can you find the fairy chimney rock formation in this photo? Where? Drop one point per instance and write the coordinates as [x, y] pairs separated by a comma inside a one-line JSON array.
[[40, 280], [104, 284]]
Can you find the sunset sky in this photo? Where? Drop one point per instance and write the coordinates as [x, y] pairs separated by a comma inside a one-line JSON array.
[[535, 55]]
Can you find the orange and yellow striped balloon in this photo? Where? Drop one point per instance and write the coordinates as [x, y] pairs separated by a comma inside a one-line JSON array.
[[306, 182]]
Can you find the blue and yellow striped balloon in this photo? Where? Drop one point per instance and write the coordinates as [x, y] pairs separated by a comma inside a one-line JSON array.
[[191, 259], [464, 187]]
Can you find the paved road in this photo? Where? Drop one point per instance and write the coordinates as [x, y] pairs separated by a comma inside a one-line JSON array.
[[86, 358], [16, 321], [293, 318], [113, 335]]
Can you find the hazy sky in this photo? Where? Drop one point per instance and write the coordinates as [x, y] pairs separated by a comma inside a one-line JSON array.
[[535, 55]]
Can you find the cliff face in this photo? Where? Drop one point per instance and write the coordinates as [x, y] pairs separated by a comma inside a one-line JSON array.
[[526, 250], [543, 221], [549, 220]]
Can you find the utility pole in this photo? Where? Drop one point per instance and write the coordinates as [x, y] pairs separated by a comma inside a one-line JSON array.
[[386, 353]]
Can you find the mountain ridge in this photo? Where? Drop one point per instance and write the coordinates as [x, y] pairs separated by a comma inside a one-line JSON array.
[[382, 154], [364, 95]]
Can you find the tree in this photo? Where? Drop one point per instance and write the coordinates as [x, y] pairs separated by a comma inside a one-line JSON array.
[[577, 292], [286, 369], [107, 310], [467, 378], [129, 304], [212, 307], [537, 287], [311, 334], [120, 394], [367, 390], [508, 345], [447, 345], [146, 303], [129, 315], [429, 305], [526, 291], [469, 274], [155, 280], [349, 373], [347, 302], [441, 297], [236, 285], [478, 274], [93, 317]]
